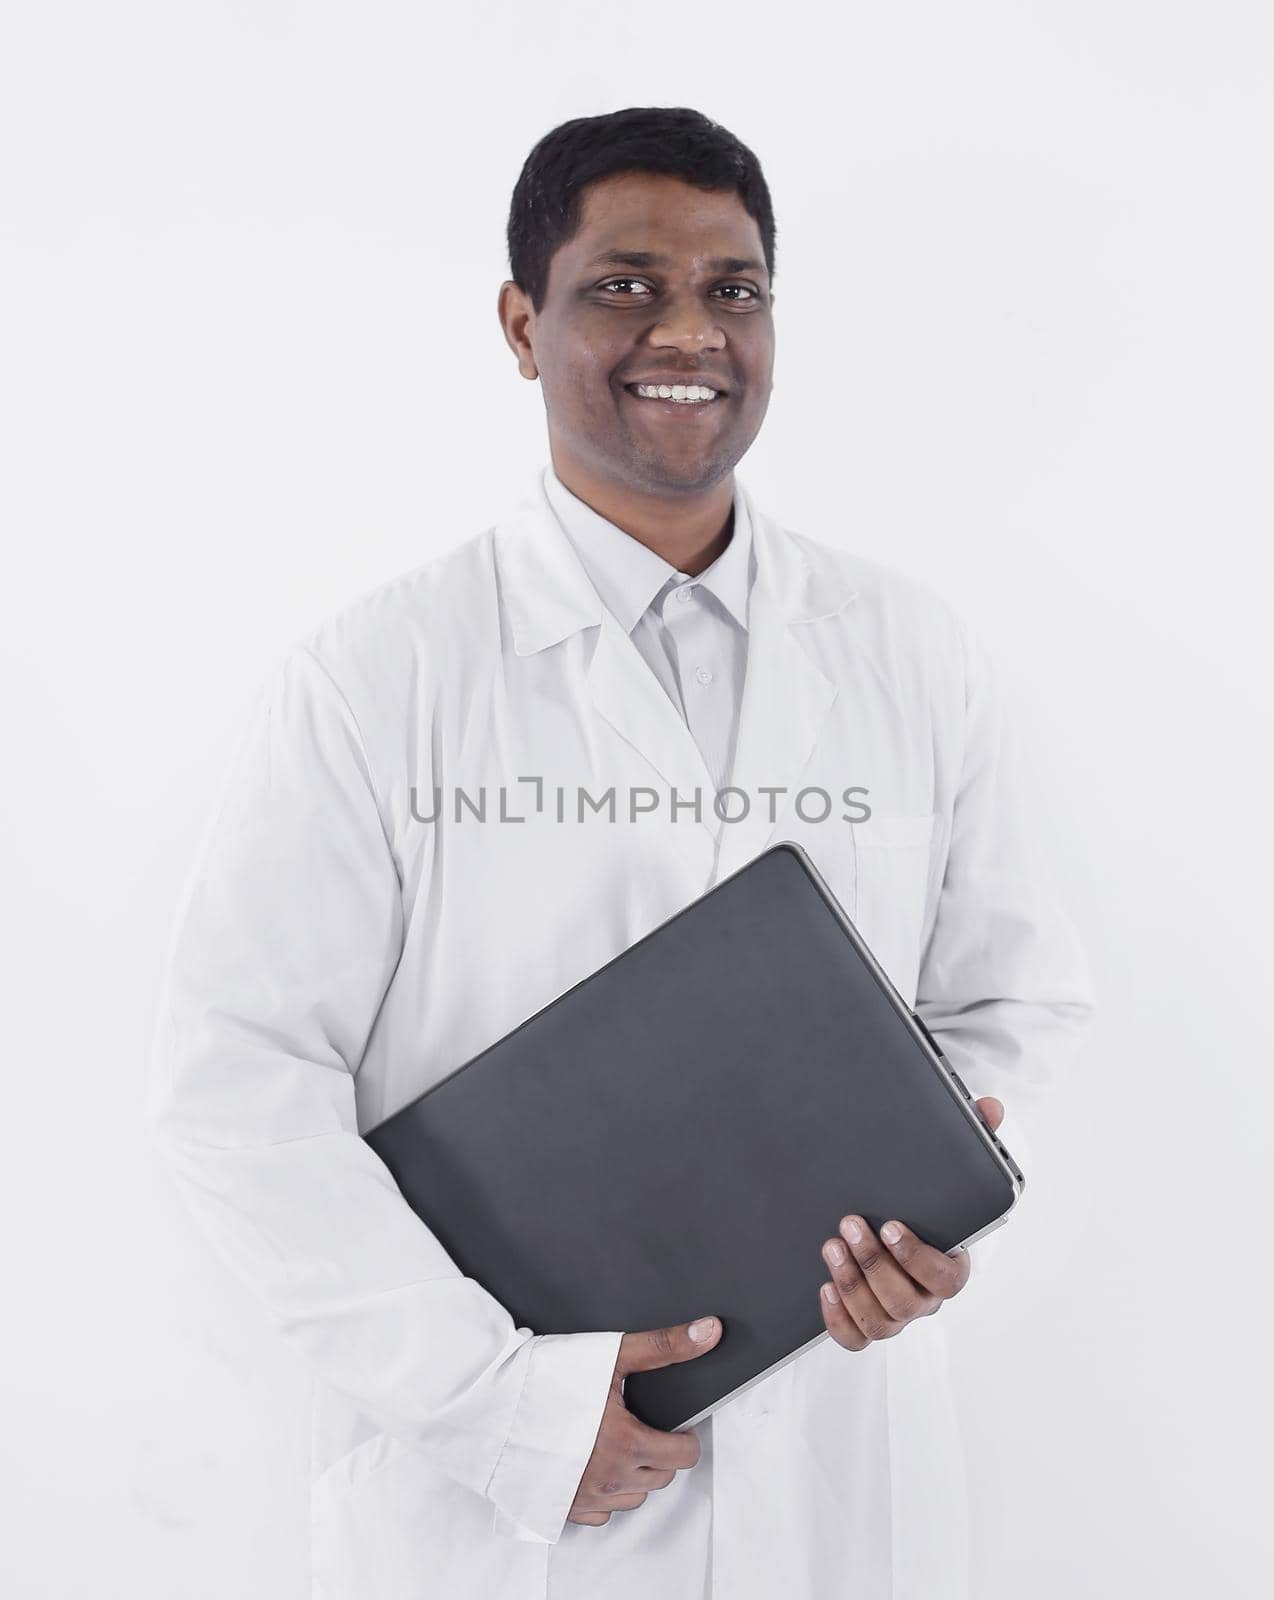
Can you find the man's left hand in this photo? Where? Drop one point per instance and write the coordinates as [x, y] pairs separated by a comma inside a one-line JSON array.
[[880, 1284]]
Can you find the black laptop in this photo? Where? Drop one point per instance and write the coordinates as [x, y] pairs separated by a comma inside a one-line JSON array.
[[679, 1133]]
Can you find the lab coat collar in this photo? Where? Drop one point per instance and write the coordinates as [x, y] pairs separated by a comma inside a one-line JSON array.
[[548, 596], [629, 576]]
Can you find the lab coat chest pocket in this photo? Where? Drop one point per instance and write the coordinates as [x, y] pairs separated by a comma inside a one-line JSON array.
[[892, 862]]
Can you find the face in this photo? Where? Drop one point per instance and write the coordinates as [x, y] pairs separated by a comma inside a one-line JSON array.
[[663, 284]]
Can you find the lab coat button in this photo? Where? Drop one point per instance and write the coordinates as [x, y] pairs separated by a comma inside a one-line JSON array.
[[703, 675]]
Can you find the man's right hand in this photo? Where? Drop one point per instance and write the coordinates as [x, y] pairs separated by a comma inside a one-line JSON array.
[[630, 1459]]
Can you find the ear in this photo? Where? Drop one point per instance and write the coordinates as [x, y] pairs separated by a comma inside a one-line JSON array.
[[517, 319]]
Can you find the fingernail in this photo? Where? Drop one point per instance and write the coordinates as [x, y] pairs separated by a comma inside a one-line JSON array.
[[829, 1293], [701, 1331], [852, 1229], [891, 1233], [836, 1253]]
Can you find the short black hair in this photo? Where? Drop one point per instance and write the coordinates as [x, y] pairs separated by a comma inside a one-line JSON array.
[[672, 140]]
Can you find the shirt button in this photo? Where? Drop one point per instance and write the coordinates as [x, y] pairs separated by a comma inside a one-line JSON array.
[[703, 675], [685, 591]]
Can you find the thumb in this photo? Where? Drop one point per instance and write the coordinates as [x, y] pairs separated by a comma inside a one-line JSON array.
[[663, 1347], [991, 1110]]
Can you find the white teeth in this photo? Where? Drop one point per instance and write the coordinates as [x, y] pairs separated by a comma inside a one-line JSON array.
[[682, 393]]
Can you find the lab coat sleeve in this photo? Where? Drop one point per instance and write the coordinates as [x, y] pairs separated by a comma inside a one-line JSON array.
[[287, 937], [1004, 985]]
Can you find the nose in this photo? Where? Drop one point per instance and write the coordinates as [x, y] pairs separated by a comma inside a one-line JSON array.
[[689, 325]]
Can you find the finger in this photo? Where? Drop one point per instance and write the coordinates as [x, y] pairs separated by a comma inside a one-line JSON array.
[[838, 1321], [653, 1478], [665, 1452], [940, 1275], [991, 1111], [590, 1519], [611, 1494], [869, 1316], [625, 1487], [662, 1347], [627, 1502], [901, 1296]]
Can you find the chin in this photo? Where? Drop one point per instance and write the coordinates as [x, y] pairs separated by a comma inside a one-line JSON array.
[[656, 475]]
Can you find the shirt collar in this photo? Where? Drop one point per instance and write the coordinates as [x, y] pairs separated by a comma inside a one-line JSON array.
[[628, 575]]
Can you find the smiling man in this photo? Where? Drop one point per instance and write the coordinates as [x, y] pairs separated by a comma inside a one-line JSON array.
[[635, 627]]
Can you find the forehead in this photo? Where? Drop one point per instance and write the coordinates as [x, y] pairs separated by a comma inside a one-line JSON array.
[[646, 211]]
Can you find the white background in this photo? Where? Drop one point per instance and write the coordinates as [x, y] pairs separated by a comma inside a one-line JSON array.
[[250, 367]]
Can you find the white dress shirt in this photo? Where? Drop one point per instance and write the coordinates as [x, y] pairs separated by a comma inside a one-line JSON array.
[[691, 631]]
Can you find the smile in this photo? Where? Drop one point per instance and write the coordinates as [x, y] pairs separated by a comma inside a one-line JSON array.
[[680, 394]]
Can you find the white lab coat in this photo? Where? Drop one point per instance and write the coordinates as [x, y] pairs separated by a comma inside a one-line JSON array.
[[334, 956]]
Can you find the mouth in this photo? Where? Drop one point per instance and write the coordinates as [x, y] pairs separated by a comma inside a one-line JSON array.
[[689, 398]]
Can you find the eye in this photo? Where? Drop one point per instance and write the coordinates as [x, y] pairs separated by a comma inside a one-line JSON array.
[[611, 282], [740, 289]]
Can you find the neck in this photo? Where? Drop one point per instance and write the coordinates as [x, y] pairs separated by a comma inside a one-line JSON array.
[[689, 531]]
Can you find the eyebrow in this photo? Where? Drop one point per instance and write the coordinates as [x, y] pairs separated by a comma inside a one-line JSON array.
[[651, 258]]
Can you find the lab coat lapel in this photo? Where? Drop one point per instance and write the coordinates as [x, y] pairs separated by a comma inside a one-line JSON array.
[[548, 596], [786, 696]]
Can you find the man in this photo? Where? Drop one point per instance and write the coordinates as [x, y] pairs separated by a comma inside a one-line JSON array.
[[352, 932]]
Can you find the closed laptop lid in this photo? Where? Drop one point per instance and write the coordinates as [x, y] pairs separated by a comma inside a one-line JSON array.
[[679, 1133]]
